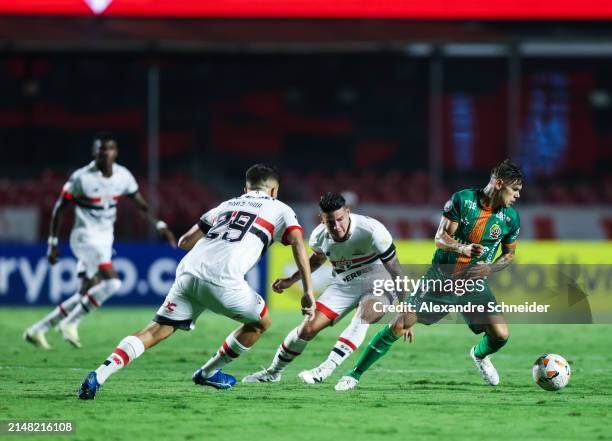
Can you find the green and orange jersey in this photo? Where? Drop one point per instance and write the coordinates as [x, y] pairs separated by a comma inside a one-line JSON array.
[[477, 224]]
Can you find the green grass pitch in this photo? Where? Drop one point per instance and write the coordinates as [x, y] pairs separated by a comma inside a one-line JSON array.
[[428, 390]]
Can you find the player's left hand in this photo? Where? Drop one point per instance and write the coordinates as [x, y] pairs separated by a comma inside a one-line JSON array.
[[480, 271], [167, 234], [308, 305], [282, 284], [408, 335]]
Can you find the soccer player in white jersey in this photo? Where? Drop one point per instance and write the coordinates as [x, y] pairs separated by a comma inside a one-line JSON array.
[[355, 331], [94, 190], [225, 243], [356, 246]]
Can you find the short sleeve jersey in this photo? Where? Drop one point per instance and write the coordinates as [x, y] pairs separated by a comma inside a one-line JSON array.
[[478, 224], [96, 196], [238, 233], [368, 243]]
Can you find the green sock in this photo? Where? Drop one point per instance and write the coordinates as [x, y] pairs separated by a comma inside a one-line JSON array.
[[488, 346], [378, 346]]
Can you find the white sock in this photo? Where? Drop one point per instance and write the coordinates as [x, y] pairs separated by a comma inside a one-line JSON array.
[[128, 349], [93, 299], [290, 348], [228, 352], [59, 312], [350, 339]]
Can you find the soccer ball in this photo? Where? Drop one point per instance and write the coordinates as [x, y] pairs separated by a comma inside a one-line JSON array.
[[551, 372]]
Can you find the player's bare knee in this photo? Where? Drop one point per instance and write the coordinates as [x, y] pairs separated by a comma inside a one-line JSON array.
[[258, 327], [87, 283], [265, 324], [370, 316], [502, 335], [499, 333], [307, 332]]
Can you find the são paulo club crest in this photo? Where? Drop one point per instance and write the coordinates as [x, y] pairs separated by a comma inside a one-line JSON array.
[[495, 231], [342, 264]]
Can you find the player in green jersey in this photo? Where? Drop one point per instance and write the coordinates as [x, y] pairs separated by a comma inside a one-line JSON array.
[[475, 222]]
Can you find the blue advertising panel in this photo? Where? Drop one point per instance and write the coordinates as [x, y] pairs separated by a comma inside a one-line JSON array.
[[147, 272]]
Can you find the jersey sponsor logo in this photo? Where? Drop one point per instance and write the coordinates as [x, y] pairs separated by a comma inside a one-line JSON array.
[[470, 205], [357, 274], [495, 231], [501, 216], [448, 206]]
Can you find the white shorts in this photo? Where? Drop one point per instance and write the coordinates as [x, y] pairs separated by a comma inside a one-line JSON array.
[[189, 296], [348, 291], [93, 253]]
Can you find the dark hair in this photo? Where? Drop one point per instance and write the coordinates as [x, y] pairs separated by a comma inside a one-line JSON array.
[[102, 138], [258, 174], [331, 202], [507, 171]]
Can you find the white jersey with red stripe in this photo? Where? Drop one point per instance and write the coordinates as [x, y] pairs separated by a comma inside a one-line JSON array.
[[238, 233], [368, 243], [96, 196]]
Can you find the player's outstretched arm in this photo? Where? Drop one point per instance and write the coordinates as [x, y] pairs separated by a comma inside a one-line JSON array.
[[394, 268], [445, 241], [296, 241], [56, 217], [315, 260], [190, 238], [506, 258], [160, 225]]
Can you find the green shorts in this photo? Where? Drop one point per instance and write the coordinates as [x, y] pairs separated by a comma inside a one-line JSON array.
[[439, 294]]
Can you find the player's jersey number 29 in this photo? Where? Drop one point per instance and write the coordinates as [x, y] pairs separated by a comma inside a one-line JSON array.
[[232, 226]]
